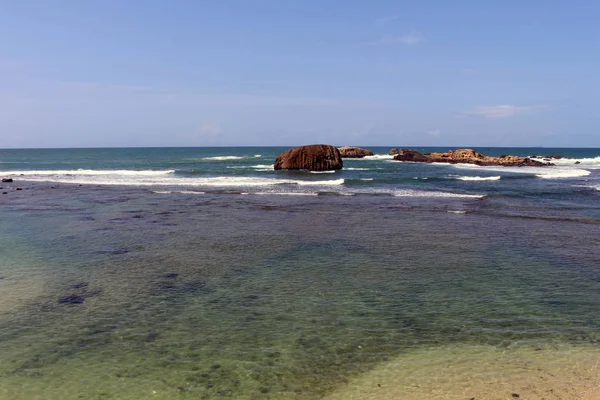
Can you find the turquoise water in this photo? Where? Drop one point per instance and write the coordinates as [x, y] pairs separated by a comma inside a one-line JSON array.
[[165, 290]]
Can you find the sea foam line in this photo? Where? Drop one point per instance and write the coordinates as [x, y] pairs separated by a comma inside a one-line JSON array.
[[327, 182], [550, 172], [565, 173], [286, 193], [570, 161], [226, 158], [167, 179], [376, 157], [90, 172], [479, 178], [258, 166], [415, 193]]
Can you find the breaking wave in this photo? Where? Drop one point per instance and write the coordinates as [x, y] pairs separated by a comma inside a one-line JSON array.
[[479, 178], [229, 158]]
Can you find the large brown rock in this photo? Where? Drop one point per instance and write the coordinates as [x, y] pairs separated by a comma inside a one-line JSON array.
[[314, 157], [354, 152], [467, 156]]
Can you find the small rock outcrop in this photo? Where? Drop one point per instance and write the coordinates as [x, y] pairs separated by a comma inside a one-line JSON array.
[[410, 155], [393, 151], [314, 157], [7, 180], [467, 156], [354, 152]]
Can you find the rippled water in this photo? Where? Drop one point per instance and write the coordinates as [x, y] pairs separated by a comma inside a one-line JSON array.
[[127, 292]]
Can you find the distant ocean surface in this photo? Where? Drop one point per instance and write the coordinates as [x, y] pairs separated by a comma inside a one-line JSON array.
[[201, 273]]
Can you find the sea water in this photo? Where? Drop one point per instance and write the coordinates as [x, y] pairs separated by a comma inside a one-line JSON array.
[[202, 273]]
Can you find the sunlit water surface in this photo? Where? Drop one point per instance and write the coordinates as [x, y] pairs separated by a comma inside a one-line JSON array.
[[129, 293]]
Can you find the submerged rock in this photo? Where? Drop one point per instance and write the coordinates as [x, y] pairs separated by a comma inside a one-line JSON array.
[[72, 299], [354, 152], [315, 157], [7, 180], [467, 156]]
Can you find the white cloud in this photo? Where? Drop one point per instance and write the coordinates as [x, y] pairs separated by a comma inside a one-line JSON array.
[[211, 130], [502, 111], [434, 133], [409, 39]]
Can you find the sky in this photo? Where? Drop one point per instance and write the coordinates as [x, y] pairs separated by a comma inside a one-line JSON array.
[[104, 73]]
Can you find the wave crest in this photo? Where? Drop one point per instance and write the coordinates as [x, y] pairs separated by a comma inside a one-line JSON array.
[[478, 178]]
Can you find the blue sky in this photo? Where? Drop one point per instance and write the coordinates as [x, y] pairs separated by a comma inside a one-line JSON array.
[[199, 73]]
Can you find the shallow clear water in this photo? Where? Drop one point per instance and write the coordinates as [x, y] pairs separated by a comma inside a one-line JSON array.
[[131, 292]]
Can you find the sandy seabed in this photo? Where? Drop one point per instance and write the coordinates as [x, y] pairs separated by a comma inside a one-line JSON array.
[[482, 373]]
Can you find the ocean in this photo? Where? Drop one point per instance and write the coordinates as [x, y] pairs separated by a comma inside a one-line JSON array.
[[202, 273]]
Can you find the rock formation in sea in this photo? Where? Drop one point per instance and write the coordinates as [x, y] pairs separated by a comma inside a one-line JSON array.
[[466, 156], [354, 152], [410, 155], [7, 180], [393, 151], [314, 157]]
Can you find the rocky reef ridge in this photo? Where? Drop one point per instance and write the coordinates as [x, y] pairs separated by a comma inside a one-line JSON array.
[[467, 156], [354, 152]]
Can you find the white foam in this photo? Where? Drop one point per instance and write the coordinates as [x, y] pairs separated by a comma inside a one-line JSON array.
[[416, 193], [322, 172], [287, 193], [366, 179], [227, 158], [550, 172], [190, 192], [89, 172], [328, 182], [158, 178], [259, 167], [359, 169], [563, 173], [457, 212], [571, 161], [478, 178], [376, 157]]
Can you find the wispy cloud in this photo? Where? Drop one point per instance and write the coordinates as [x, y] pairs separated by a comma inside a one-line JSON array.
[[386, 20], [502, 110], [408, 39], [210, 130]]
